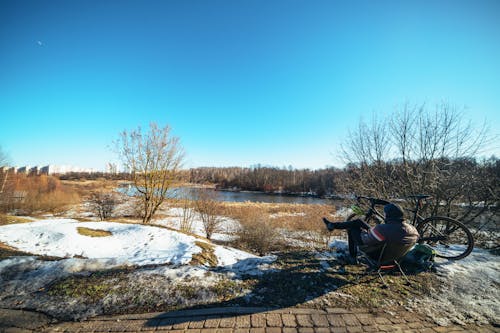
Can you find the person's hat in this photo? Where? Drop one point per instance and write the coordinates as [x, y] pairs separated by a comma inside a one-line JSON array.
[[393, 212]]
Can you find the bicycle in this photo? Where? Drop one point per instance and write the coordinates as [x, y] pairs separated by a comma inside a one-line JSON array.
[[450, 238]]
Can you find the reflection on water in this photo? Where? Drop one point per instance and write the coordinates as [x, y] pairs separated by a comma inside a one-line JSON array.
[[230, 196]]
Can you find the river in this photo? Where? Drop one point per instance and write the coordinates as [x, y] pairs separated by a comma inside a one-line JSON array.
[[238, 196]]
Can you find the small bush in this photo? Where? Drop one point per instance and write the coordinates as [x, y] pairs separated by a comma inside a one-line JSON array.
[[209, 209], [103, 204], [257, 234]]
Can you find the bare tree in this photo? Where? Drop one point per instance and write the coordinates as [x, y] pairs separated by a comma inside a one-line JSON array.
[[153, 160], [208, 207], [187, 212], [103, 204], [419, 150]]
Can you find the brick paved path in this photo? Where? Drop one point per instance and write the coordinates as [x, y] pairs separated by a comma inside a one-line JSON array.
[[256, 320]]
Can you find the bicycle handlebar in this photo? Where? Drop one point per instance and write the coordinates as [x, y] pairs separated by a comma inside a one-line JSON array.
[[373, 201]]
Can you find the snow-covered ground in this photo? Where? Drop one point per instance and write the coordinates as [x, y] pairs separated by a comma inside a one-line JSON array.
[[169, 252], [224, 232], [128, 244], [469, 292]]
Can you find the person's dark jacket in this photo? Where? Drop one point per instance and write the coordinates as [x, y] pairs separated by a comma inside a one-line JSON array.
[[391, 232]]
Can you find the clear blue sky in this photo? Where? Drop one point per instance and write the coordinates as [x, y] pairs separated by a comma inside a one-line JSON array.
[[240, 82]]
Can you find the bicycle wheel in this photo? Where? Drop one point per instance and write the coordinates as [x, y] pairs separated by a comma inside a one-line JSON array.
[[450, 238]]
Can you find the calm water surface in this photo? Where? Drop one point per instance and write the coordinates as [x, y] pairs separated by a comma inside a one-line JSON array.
[[243, 196]]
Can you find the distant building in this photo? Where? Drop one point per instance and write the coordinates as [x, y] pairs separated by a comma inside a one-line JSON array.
[[23, 170], [34, 170], [50, 170]]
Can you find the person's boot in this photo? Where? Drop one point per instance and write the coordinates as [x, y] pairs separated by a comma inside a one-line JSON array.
[[329, 225]]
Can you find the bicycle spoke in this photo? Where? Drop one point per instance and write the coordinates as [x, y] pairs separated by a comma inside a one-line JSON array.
[[449, 237]]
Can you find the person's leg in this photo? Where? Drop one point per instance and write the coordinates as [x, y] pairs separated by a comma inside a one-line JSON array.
[[354, 239]]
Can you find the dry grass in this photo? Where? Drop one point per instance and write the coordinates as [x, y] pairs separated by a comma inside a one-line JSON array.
[[298, 217], [93, 232], [7, 251], [206, 256], [9, 219], [86, 187], [37, 194]]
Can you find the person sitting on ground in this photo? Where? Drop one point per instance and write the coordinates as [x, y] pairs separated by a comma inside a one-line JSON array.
[[394, 231]]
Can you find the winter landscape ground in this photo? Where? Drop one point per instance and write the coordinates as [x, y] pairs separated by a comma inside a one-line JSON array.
[[74, 267]]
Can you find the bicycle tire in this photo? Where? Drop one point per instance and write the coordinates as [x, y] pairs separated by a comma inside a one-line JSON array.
[[450, 238]]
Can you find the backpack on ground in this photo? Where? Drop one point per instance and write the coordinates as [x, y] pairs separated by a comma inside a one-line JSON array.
[[419, 259]]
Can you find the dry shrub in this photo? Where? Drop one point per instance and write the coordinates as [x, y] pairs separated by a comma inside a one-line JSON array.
[[305, 219], [209, 209], [103, 203], [258, 234], [37, 194]]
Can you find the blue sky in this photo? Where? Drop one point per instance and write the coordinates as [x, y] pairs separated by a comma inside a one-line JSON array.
[[240, 82]]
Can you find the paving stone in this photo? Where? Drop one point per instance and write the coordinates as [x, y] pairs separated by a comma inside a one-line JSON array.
[[416, 325], [273, 329], [402, 327], [257, 330], [211, 323], [208, 330], [382, 321], [197, 323], [387, 328], [303, 311], [339, 330], [365, 319], [354, 329], [288, 320], [351, 320], [370, 329], [227, 322], [181, 325], [304, 321], [337, 310], [243, 322], [242, 330], [319, 320], [321, 330], [290, 330], [274, 320], [258, 320], [224, 330], [134, 327], [306, 330], [336, 320]]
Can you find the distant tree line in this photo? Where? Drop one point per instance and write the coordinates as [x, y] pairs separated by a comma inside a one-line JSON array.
[[269, 179]]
